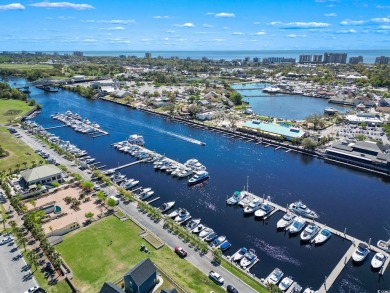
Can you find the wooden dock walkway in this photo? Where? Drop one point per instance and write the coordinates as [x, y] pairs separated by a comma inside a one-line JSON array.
[[128, 165], [54, 127], [100, 167], [153, 200]]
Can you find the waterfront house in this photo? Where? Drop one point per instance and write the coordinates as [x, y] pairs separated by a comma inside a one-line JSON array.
[[209, 115], [41, 175], [120, 94], [142, 278]]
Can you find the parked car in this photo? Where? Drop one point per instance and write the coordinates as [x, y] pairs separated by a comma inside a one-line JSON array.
[[32, 289], [180, 252], [217, 278], [96, 187], [6, 240], [231, 289]]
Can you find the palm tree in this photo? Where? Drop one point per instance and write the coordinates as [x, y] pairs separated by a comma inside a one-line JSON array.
[[33, 163], [23, 242], [10, 170], [32, 258], [25, 164], [40, 162], [32, 202], [17, 166], [13, 225]]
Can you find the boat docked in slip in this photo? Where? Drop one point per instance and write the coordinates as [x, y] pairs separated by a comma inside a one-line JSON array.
[[384, 245], [240, 254], [199, 228], [285, 221], [310, 232], [199, 177], [285, 283], [253, 206], [211, 237], [275, 276], [192, 224], [109, 172], [131, 184], [182, 216], [378, 260], [225, 245], [300, 209], [249, 258], [146, 195], [166, 206], [117, 178], [322, 236], [264, 210], [218, 241], [361, 252], [235, 198], [136, 139], [174, 213], [205, 232], [297, 225]]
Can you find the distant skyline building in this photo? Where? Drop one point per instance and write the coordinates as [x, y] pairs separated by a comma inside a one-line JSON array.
[[356, 60], [382, 60], [78, 53], [305, 59], [335, 58], [148, 55], [278, 60]]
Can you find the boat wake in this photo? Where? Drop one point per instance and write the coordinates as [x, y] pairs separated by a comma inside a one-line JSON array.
[[276, 252], [351, 284]]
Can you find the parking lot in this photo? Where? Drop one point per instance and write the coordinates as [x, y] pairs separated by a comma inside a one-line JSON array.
[[15, 275]]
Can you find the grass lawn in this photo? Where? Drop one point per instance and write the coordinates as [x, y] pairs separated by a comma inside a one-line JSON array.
[[25, 66], [11, 109], [94, 259], [18, 151], [244, 277]]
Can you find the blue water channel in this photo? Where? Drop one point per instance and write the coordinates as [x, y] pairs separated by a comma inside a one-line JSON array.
[[343, 197], [296, 107]]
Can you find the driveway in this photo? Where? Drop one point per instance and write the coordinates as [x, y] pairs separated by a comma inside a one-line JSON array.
[[15, 275]]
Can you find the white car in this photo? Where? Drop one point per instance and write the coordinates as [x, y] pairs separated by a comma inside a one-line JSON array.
[[32, 289], [6, 240], [216, 277]]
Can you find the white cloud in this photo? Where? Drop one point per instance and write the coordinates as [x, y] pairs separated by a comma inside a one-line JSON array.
[[170, 31], [262, 33], [257, 22], [12, 6], [381, 20], [63, 5], [146, 40], [299, 24], [112, 21], [237, 33], [65, 17], [187, 24], [295, 36], [207, 25], [385, 27], [161, 17], [350, 31], [209, 13], [226, 28], [219, 40], [116, 28], [382, 7], [118, 41], [352, 22], [225, 14], [330, 14], [89, 40]]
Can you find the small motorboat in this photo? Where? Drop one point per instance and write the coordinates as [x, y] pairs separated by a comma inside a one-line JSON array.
[[322, 236], [192, 224], [218, 241], [211, 237], [253, 206], [285, 221], [205, 232], [384, 245], [182, 216], [285, 283], [360, 252], [240, 254], [296, 226], [199, 228], [235, 198], [309, 232], [378, 260], [132, 184], [275, 276], [166, 206], [145, 196], [248, 259], [264, 211], [225, 245], [174, 213]]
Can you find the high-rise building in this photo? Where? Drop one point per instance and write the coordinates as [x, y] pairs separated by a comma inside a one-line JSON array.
[[317, 58], [256, 59], [305, 59], [356, 60], [78, 53], [382, 60], [335, 58], [277, 60], [148, 55]]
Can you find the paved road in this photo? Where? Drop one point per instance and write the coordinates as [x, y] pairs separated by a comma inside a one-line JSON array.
[[15, 276], [201, 262]]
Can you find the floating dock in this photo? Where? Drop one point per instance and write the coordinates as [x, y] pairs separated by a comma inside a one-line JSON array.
[[128, 165]]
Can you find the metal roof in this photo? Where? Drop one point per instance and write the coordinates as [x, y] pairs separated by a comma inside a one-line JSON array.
[[40, 172]]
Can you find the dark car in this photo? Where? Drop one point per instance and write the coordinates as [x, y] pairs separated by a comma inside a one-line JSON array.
[[231, 289], [180, 252]]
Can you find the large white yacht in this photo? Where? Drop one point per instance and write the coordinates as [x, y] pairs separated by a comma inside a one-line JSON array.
[[198, 177], [285, 221], [300, 209], [296, 226], [309, 232], [253, 206], [136, 139]]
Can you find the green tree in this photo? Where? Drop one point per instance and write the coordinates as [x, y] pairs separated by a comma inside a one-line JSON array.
[[111, 203], [87, 185], [55, 184], [32, 258], [217, 255], [89, 216], [32, 202], [309, 144]]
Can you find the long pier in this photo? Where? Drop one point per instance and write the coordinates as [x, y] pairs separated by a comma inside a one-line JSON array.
[[346, 257], [54, 127], [128, 165]]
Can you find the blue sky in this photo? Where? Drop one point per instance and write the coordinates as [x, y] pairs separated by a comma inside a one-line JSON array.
[[194, 25]]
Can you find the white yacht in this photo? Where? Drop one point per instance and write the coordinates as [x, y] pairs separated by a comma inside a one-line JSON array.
[[182, 216], [132, 184], [322, 236], [300, 209], [285, 221], [309, 232], [264, 211], [146, 195], [235, 198], [199, 229], [360, 252], [166, 206], [248, 259], [136, 139], [296, 226], [205, 232], [384, 245], [192, 224], [240, 254], [253, 206], [199, 177], [285, 283], [378, 260], [275, 276], [109, 172]]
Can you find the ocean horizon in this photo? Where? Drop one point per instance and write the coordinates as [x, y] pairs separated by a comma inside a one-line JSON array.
[[368, 55]]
